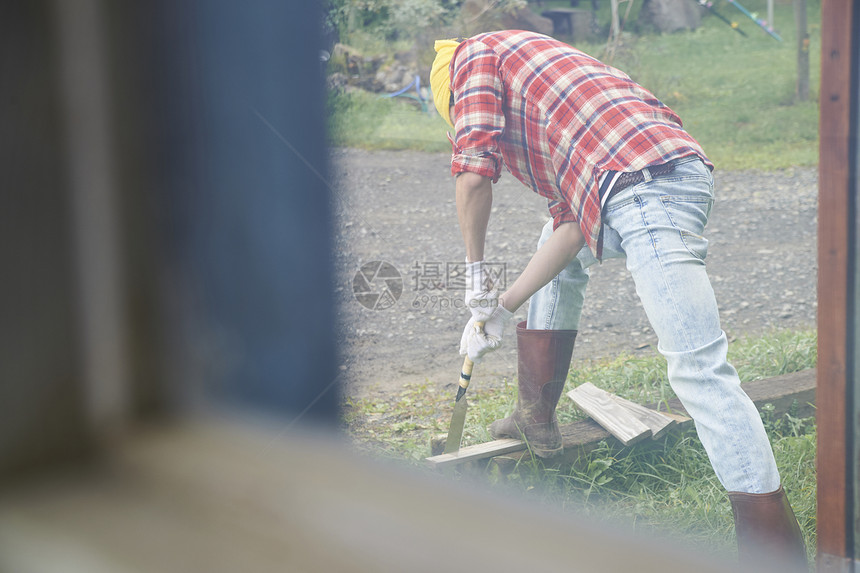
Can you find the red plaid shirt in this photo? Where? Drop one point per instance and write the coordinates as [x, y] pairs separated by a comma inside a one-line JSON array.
[[557, 118]]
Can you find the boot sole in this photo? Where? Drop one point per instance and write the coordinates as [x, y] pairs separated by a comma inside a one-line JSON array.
[[539, 452], [542, 453]]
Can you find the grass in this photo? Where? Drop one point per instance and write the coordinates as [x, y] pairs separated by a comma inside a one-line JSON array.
[[669, 489], [401, 427], [365, 120], [735, 94]]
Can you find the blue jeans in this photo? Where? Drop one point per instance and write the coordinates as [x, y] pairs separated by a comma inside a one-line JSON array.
[[657, 225]]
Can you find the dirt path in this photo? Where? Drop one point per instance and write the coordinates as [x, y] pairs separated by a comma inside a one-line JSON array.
[[398, 208]]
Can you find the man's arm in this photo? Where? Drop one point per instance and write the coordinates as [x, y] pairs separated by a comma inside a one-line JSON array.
[[474, 201], [549, 260]]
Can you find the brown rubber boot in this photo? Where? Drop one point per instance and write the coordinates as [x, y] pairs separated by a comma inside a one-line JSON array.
[[543, 363], [766, 528]]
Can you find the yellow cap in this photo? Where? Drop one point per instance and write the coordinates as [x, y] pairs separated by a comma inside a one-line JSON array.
[[440, 79]]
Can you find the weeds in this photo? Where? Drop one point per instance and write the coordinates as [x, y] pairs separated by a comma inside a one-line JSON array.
[[665, 486], [362, 119]]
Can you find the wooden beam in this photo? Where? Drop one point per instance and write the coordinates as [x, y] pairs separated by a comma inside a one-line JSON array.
[[582, 436], [616, 419], [783, 391], [834, 212]]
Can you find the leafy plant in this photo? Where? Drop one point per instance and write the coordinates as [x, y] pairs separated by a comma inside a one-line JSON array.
[[391, 18]]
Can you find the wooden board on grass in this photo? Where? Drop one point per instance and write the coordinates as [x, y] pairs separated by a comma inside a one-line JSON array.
[[603, 409], [477, 452], [584, 435]]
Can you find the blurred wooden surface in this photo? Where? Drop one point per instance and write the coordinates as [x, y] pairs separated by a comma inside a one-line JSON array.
[[219, 498]]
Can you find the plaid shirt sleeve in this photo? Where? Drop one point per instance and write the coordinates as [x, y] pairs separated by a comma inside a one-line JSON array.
[[480, 119], [560, 213]]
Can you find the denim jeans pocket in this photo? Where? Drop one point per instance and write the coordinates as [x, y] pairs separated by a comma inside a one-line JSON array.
[[689, 215]]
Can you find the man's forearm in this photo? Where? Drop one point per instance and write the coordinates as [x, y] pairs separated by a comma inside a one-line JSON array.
[[549, 260], [474, 201]]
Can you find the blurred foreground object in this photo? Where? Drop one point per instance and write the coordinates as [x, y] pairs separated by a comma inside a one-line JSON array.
[[165, 220], [222, 498]]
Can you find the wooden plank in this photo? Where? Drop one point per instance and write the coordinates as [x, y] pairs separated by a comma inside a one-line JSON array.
[[679, 419], [476, 452], [834, 246], [780, 391], [783, 391], [579, 438], [658, 422], [617, 420], [575, 436]]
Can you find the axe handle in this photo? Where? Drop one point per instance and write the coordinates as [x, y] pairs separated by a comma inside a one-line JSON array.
[[466, 370], [466, 373]]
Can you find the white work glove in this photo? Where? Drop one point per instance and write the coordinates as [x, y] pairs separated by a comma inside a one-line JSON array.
[[476, 342], [481, 298]]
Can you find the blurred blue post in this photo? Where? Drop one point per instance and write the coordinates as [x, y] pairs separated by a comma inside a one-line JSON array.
[[247, 205]]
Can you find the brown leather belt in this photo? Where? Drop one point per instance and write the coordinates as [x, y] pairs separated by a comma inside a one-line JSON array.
[[628, 179]]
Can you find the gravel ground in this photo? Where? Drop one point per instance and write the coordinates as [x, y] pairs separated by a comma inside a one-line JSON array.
[[398, 208]]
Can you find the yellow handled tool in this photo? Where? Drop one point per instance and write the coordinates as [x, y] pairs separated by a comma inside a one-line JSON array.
[[458, 419]]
